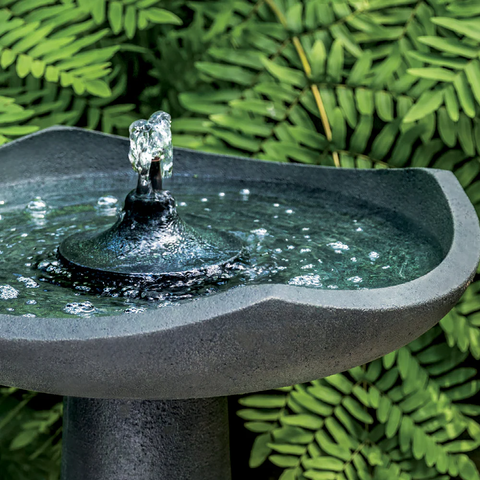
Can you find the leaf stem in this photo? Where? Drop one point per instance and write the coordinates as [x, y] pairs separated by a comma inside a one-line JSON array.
[[308, 72]]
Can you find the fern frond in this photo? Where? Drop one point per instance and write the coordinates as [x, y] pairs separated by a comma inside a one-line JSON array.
[[128, 16]]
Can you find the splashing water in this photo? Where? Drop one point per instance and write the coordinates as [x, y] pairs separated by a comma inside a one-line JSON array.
[[150, 140]]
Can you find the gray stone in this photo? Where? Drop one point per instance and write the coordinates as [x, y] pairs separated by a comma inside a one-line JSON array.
[[247, 339]]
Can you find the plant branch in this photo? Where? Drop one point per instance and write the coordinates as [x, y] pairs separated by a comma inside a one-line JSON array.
[[308, 72]]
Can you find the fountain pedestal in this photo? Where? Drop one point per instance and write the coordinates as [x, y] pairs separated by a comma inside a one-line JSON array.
[[146, 439]]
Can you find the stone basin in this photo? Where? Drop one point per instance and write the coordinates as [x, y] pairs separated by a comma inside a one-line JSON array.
[[246, 339]]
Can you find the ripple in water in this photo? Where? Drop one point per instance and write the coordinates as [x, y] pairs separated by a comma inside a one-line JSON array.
[[314, 240]]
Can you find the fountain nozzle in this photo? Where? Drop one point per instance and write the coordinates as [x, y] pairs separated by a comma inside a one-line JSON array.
[[150, 243]]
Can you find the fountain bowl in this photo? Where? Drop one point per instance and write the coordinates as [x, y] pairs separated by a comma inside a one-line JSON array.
[[249, 338]]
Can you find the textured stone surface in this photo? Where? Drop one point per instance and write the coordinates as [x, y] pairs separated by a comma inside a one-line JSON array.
[[146, 440], [247, 339]]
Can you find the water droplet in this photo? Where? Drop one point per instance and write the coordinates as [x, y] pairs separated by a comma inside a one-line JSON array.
[[107, 206], [7, 292], [37, 209]]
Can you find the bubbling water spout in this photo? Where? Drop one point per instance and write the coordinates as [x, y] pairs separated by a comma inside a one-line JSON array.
[[150, 245], [151, 152]]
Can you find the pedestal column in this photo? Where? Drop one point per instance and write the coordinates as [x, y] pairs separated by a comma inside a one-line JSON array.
[[146, 439]]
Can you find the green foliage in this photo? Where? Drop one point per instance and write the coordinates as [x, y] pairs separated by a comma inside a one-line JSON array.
[[401, 417], [29, 437], [350, 83]]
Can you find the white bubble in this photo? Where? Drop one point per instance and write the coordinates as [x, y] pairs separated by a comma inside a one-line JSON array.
[[28, 282], [107, 201], [221, 194], [83, 309], [306, 281], [373, 255], [339, 247], [7, 292], [245, 191], [135, 310], [204, 200], [355, 279]]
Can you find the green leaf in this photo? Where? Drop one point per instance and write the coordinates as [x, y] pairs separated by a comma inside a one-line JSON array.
[[294, 18], [324, 463], [318, 57], [364, 99], [440, 74], [312, 404], [472, 72], [347, 104], [115, 16], [335, 61], [384, 104], [339, 129], [260, 450], [360, 69], [326, 394], [450, 45], [24, 65], [226, 72], [98, 88], [447, 128], [428, 102], [465, 135], [130, 21], [160, 15], [303, 420], [357, 410], [469, 28], [287, 75], [464, 94]]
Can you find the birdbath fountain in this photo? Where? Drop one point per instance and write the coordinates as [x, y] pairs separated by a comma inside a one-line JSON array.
[[256, 276]]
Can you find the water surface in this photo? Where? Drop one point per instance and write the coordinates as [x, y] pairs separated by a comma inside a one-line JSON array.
[[311, 238]]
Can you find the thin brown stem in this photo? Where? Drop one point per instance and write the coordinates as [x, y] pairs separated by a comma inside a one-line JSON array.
[[308, 73]]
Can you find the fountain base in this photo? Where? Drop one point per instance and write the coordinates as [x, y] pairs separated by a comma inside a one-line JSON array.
[[149, 245], [146, 439]]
